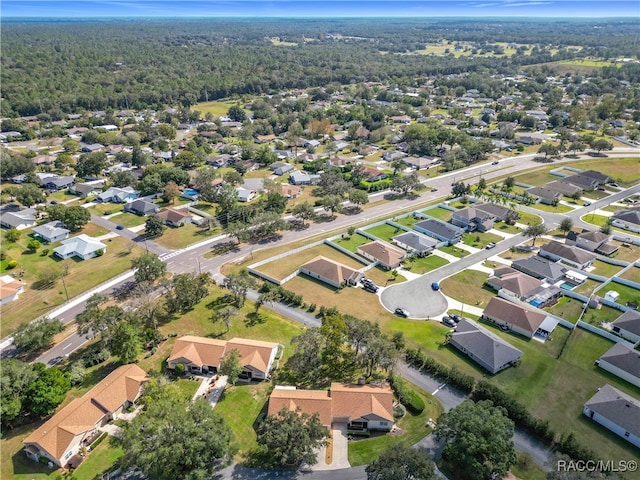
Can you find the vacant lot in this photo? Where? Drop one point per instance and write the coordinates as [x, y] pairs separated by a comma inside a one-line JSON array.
[[352, 242], [455, 251], [439, 213], [128, 220], [102, 209], [282, 267], [467, 287], [421, 265], [82, 275], [218, 109], [176, 238], [480, 239]]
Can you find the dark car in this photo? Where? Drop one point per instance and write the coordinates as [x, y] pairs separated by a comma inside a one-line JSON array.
[[401, 312], [495, 163], [448, 321], [371, 288], [435, 286], [456, 318], [119, 227]]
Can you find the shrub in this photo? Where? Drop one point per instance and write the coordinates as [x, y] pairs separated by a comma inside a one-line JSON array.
[[99, 253], [44, 252], [3, 255], [179, 369], [33, 245], [98, 441], [12, 264], [398, 411], [95, 356]]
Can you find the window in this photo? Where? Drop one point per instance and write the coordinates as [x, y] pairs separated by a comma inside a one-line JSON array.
[[68, 454], [384, 424], [626, 434]]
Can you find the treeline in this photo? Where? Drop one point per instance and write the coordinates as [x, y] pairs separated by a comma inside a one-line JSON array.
[[483, 390], [72, 66]]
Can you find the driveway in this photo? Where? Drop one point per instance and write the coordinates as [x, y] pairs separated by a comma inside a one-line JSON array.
[[338, 456]]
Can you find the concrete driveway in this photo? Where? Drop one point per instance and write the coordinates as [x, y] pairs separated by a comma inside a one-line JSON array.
[[338, 455]]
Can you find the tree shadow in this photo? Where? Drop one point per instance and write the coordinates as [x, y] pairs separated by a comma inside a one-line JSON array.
[[254, 318], [225, 247]]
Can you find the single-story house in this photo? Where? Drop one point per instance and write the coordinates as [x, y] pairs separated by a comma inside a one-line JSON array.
[[118, 195], [627, 326], [330, 272], [51, 232], [583, 181], [391, 155], [616, 411], [310, 143], [628, 219], [540, 268], [418, 163], [522, 320], [414, 242], [601, 178], [220, 161], [559, 252], [303, 178], [483, 347], [141, 206], [81, 246], [91, 148], [622, 361], [87, 189], [10, 289], [361, 407], [265, 138], [78, 424], [44, 159], [516, 283], [59, 183], [19, 220], [544, 195], [400, 119], [200, 354], [246, 194], [373, 174], [387, 256], [281, 168], [445, 232], [175, 217]]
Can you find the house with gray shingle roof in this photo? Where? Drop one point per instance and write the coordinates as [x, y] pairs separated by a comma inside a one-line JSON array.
[[627, 326], [628, 219], [575, 257], [82, 246], [445, 232], [141, 207], [617, 411], [540, 268], [623, 362], [19, 220], [414, 242], [483, 347]]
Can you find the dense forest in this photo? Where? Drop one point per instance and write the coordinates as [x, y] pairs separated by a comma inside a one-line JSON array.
[[66, 66]]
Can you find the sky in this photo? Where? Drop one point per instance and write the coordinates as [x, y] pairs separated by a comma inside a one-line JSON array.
[[313, 8]]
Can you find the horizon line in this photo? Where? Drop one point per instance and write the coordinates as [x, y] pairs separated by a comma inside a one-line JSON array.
[[103, 17]]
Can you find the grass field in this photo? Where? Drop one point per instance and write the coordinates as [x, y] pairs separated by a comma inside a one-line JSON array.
[[632, 274], [176, 238], [527, 218], [503, 227], [408, 221], [560, 208], [480, 239], [466, 287], [128, 220], [352, 242], [587, 287], [605, 269], [82, 275], [455, 251], [100, 461], [627, 294], [282, 267], [217, 108], [102, 209]]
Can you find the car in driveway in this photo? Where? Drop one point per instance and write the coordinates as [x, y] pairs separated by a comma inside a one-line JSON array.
[[370, 287], [446, 320], [435, 286], [401, 312]]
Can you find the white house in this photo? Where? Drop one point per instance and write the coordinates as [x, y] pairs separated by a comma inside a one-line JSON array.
[[82, 246], [19, 220], [616, 411], [118, 195], [245, 194]]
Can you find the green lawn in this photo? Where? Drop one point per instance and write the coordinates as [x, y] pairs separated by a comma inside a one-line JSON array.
[[480, 239], [99, 461], [594, 219], [240, 406], [413, 428], [128, 220], [439, 213], [587, 287], [101, 209], [566, 308], [560, 208], [352, 242], [595, 195], [385, 231], [217, 108], [466, 287], [82, 275], [503, 227], [421, 265], [632, 274], [187, 387], [527, 218], [455, 251], [627, 294], [527, 468], [605, 269], [408, 221]]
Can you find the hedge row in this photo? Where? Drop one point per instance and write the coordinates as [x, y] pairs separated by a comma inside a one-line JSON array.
[[517, 412], [407, 396], [98, 440], [282, 294]]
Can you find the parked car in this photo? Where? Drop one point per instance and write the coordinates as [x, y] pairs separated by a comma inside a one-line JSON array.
[[495, 162], [448, 321], [435, 286], [490, 245], [455, 317], [371, 288], [402, 312], [119, 227]]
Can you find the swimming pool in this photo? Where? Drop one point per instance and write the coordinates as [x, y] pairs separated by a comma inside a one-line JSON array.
[[191, 192], [567, 286]]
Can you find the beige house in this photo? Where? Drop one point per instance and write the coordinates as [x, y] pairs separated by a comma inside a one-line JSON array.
[[362, 407], [75, 426], [204, 355], [388, 257], [330, 272], [515, 317], [10, 289]]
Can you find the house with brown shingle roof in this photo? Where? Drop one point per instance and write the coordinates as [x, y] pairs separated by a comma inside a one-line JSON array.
[[10, 288], [76, 425], [387, 256], [330, 272], [362, 407], [522, 320], [175, 217], [204, 355]]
